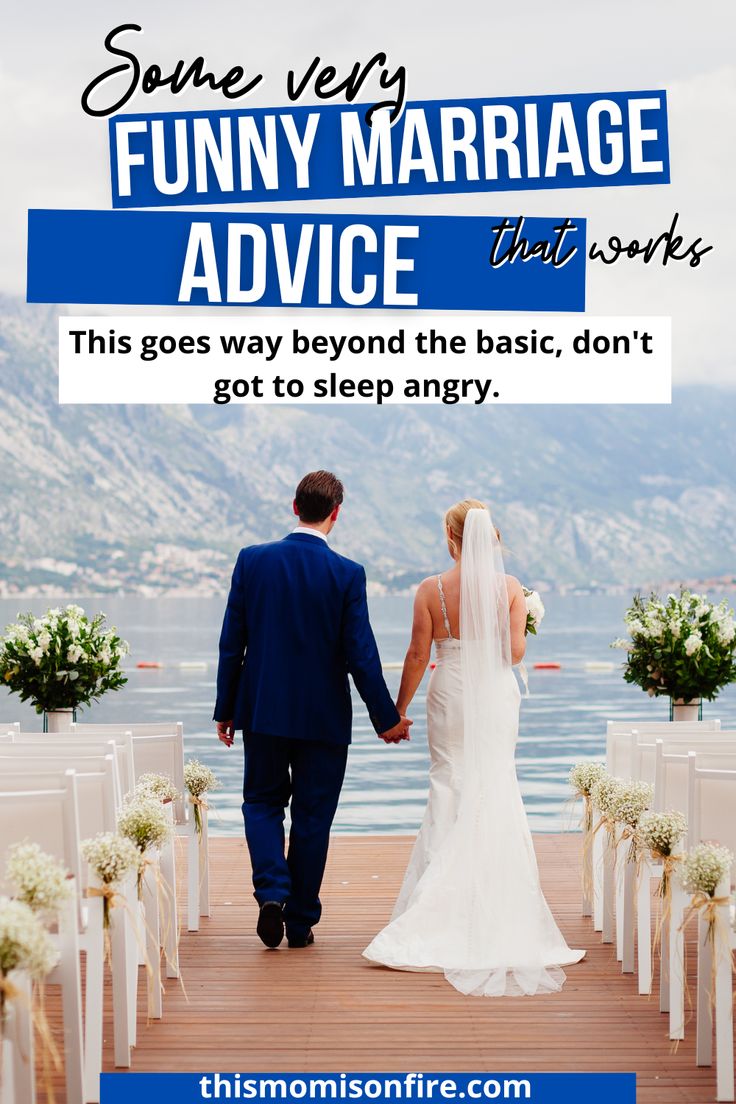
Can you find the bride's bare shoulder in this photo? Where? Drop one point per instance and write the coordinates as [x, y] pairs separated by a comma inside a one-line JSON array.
[[513, 585], [426, 587]]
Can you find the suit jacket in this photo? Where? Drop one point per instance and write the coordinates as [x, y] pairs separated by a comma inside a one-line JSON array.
[[296, 623]]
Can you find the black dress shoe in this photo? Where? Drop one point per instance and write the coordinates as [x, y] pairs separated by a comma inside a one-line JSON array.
[[305, 941], [270, 926]]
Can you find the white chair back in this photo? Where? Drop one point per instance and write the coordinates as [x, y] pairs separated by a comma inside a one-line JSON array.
[[9, 726], [711, 805], [72, 744], [620, 741], [158, 749], [20, 756], [49, 818]]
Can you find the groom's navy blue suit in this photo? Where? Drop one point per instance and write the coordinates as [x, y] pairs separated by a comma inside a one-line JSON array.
[[296, 624]]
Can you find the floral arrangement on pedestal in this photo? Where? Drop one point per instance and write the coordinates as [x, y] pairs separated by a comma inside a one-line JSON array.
[[61, 660], [683, 647]]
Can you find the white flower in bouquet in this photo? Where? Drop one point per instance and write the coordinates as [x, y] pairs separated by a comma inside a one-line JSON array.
[[200, 781], [629, 800], [24, 942], [693, 643], [38, 879], [602, 795], [662, 832], [199, 778], [534, 610], [111, 857], [584, 775], [703, 868], [159, 785], [144, 822], [54, 660]]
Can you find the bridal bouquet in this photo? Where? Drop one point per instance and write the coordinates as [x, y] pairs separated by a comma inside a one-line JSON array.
[[684, 647], [61, 660], [534, 610]]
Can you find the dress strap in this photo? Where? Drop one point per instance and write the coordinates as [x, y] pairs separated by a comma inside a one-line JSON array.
[[443, 607]]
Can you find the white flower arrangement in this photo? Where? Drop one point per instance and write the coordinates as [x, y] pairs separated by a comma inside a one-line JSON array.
[[534, 610], [144, 821], [662, 832], [159, 786], [703, 868], [111, 857], [200, 781], [38, 879], [629, 800], [24, 945], [602, 795], [584, 775], [683, 647], [61, 660]]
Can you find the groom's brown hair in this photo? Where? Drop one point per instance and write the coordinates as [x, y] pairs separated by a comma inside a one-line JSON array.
[[317, 496]]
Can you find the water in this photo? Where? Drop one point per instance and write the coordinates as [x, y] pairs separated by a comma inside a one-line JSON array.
[[562, 721]]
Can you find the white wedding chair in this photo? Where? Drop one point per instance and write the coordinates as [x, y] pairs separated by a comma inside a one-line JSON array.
[[643, 762], [8, 727], [159, 747], [711, 816], [162, 752], [622, 738], [50, 818], [96, 786]]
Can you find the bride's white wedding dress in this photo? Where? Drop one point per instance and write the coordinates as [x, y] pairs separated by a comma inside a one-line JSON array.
[[471, 905]]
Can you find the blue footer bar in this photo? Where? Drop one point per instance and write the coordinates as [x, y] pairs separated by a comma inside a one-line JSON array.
[[541, 1088]]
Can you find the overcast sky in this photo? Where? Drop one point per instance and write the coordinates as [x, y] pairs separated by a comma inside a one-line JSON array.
[[53, 155]]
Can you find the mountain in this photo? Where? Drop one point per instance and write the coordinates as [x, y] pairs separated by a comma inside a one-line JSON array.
[[159, 499]]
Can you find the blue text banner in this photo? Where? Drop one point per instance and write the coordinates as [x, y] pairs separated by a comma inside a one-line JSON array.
[[582, 140], [427, 262]]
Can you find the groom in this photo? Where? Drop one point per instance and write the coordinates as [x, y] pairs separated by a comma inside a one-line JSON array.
[[296, 624]]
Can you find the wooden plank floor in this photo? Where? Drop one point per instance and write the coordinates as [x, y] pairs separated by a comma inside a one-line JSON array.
[[326, 1009]]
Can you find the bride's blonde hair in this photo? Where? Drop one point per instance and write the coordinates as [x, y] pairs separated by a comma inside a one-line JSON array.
[[455, 522]]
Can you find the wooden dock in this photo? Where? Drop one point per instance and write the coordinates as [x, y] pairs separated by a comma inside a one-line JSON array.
[[326, 1009]]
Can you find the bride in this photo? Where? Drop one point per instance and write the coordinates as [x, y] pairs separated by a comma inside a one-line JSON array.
[[471, 905]]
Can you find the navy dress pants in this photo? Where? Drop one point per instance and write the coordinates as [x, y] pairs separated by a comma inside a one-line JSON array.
[[308, 776]]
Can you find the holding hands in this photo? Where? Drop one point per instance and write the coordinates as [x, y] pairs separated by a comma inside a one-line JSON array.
[[398, 733]]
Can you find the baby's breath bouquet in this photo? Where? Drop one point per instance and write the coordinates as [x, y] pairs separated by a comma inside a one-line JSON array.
[[583, 777], [24, 945], [683, 647], [61, 660], [200, 781], [534, 610], [703, 868], [159, 786], [38, 879], [111, 857], [700, 873], [628, 802], [143, 820], [660, 834]]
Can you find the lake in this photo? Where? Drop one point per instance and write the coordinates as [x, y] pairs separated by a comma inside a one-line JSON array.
[[563, 720]]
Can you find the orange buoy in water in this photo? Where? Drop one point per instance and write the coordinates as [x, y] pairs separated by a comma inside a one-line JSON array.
[[547, 666], [147, 664]]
